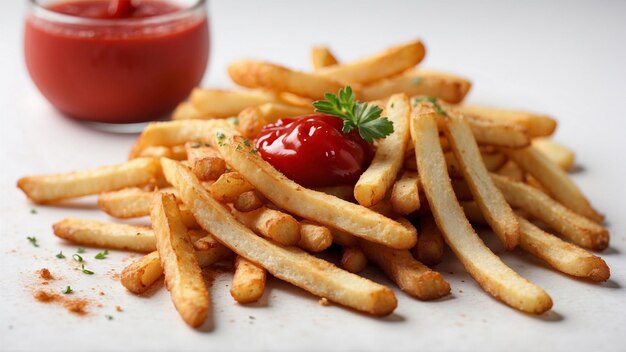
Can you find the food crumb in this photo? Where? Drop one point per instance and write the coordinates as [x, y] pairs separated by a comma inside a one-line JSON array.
[[45, 274], [324, 302], [76, 305], [46, 297], [101, 293], [118, 309]]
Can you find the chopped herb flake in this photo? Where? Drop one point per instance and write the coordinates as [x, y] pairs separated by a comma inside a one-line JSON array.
[[81, 250], [220, 135], [253, 151], [433, 101], [102, 255], [60, 255], [246, 142], [33, 241], [33, 211], [109, 317], [86, 271], [77, 258], [68, 290]]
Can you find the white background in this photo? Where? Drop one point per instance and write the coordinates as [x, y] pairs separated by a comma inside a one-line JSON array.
[[563, 58]]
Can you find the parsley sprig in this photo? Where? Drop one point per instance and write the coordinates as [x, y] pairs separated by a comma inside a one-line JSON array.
[[366, 118]]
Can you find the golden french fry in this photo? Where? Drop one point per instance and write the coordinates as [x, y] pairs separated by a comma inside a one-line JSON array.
[[381, 65], [554, 180], [314, 238], [176, 152], [259, 74], [409, 274], [141, 274], [290, 264], [57, 187], [252, 119], [512, 171], [447, 87], [183, 275], [492, 161], [107, 235], [229, 186], [126, 203], [405, 197], [494, 207], [248, 282], [485, 267], [389, 156], [249, 201], [353, 259], [272, 224], [315, 206], [536, 125], [564, 221], [498, 133], [558, 153], [222, 103], [429, 249], [187, 111], [322, 57], [205, 161]]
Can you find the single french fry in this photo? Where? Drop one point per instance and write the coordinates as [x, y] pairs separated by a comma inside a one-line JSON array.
[[252, 119], [382, 171], [492, 161], [309, 204], [157, 152], [554, 180], [57, 187], [353, 259], [187, 111], [558, 153], [409, 274], [181, 269], [498, 133], [272, 224], [126, 203], [314, 238], [205, 161], [536, 125], [574, 227], [564, 257], [107, 235], [229, 186], [512, 171], [248, 282], [290, 264], [405, 197], [485, 267], [381, 65], [322, 57], [141, 274], [429, 249], [222, 103], [447, 87], [249, 201], [259, 74], [494, 207]]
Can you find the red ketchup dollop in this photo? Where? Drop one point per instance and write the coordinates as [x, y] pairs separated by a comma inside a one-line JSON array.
[[313, 151]]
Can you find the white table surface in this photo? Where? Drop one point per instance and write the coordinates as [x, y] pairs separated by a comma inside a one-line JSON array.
[[563, 58]]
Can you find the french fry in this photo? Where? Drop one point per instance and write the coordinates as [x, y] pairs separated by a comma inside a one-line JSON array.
[[187, 111], [381, 65], [485, 267], [314, 238], [290, 264], [389, 156], [57, 187], [248, 282], [183, 275], [249, 201], [429, 249], [409, 274], [106, 235], [536, 125], [405, 198], [259, 74], [205, 161], [492, 161], [498, 133], [447, 87], [252, 119], [494, 207], [511, 171], [272, 224], [322, 57], [564, 257], [141, 274], [353, 259], [554, 180], [312, 205], [558, 153], [564, 221], [126, 203], [229, 186], [157, 152], [222, 103]]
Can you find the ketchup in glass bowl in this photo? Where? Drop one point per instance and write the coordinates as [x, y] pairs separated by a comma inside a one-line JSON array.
[[116, 61]]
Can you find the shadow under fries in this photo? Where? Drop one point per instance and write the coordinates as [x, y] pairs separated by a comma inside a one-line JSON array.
[[154, 288]]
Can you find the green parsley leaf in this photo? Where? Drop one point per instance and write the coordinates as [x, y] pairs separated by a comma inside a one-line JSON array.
[[33, 241], [33, 211], [109, 317], [361, 116], [254, 151], [60, 255], [68, 290], [220, 135], [77, 258], [81, 250], [432, 100], [246, 142], [102, 255], [86, 271], [239, 147]]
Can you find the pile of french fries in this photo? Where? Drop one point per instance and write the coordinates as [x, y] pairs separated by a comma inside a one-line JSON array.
[[446, 168]]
